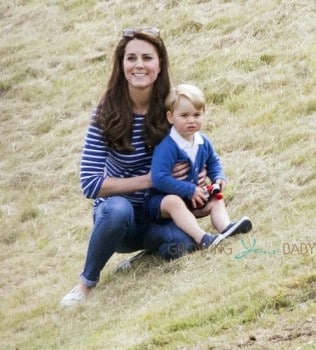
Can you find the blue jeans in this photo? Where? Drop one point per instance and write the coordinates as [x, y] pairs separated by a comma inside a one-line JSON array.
[[121, 227]]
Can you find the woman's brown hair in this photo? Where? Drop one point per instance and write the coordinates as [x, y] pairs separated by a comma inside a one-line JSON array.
[[114, 113]]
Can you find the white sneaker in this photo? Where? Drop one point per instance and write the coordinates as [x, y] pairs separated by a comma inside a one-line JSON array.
[[75, 296]]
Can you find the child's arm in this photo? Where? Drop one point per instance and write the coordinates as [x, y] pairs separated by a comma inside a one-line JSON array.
[[214, 167], [163, 162]]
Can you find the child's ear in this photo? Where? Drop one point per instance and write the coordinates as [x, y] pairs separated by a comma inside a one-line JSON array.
[[169, 117]]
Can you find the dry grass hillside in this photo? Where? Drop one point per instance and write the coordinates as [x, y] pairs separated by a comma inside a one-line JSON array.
[[256, 61]]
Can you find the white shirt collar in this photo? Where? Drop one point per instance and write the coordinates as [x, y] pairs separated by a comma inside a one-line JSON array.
[[191, 149], [183, 143]]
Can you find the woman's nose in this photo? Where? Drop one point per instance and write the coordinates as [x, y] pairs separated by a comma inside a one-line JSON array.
[[139, 63]]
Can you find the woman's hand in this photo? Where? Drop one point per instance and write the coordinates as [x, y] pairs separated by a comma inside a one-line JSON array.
[[202, 177], [148, 179], [180, 171]]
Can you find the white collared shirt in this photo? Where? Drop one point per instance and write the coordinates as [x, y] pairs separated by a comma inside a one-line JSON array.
[[189, 148]]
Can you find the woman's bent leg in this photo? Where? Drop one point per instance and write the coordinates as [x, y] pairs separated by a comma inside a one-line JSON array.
[[113, 219], [168, 240]]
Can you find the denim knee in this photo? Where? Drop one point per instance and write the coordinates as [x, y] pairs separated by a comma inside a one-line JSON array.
[[175, 250], [116, 210], [168, 240]]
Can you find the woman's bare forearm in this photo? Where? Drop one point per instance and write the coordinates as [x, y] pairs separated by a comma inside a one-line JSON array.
[[117, 186]]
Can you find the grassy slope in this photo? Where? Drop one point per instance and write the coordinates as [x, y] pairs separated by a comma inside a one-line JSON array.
[[256, 62]]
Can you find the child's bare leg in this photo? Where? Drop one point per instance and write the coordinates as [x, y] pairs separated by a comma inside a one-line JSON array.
[[173, 206], [219, 215], [221, 221]]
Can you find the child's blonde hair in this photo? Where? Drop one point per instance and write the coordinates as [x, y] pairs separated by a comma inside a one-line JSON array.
[[193, 93]]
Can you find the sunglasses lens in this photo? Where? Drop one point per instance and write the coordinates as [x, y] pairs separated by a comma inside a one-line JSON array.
[[153, 31], [129, 32]]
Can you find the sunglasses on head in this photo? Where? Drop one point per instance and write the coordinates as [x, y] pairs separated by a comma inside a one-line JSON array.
[[130, 32]]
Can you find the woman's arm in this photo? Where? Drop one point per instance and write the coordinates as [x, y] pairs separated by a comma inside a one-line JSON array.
[[95, 181], [113, 186]]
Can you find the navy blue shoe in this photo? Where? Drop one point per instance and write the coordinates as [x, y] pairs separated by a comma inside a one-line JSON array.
[[208, 240], [243, 225]]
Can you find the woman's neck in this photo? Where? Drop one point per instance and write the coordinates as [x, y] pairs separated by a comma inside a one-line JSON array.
[[140, 100]]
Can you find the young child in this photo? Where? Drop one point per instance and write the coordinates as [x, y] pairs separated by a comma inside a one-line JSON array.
[[168, 199]]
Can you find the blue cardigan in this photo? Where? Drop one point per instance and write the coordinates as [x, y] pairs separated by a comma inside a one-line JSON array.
[[167, 154]]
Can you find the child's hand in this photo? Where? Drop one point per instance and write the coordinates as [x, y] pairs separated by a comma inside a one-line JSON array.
[[222, 184], [199, 198]]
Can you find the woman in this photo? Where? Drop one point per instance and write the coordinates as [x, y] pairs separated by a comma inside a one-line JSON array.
[[115, 165]]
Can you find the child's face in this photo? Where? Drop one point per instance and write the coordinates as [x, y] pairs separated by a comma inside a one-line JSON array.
[[186, 118]]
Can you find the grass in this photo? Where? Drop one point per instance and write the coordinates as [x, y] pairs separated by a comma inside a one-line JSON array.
[[256, 62]]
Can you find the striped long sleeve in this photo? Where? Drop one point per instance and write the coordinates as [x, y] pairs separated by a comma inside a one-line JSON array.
[[98, 162]]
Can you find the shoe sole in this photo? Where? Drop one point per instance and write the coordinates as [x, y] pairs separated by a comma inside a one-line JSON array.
[[127, 264], [243, 225]]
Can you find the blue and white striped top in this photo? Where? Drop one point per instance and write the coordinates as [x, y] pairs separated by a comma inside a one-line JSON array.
[[99, 162]]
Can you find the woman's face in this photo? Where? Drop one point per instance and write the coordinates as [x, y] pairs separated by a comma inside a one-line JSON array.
[[140, 64]]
